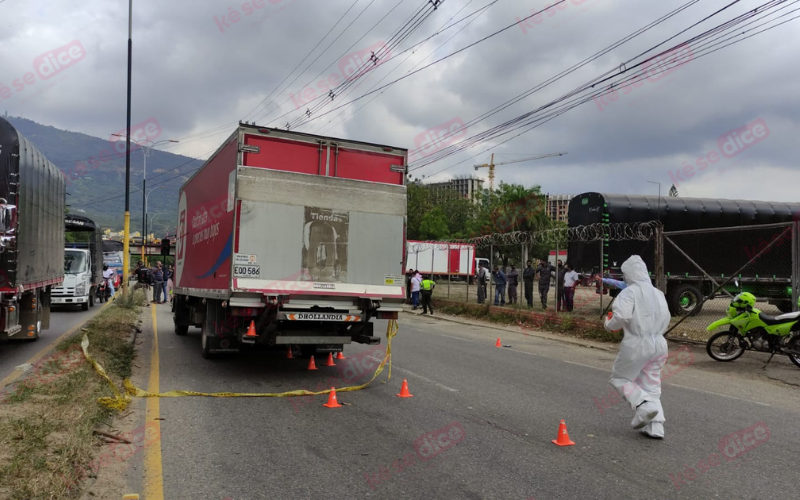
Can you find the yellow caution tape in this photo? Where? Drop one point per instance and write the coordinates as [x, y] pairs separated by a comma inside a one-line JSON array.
[[120, 401]]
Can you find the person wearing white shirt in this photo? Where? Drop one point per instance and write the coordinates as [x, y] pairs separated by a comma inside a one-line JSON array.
[[108, 275], [570, 281], [416, 282]]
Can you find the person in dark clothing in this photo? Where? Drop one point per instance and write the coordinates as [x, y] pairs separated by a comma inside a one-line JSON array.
[[144, 278], [409, 275], [158, 280], [546, 271], [513, 281], [500, 287], [426, 289], [528, 275], [483, 278], [560, 300]]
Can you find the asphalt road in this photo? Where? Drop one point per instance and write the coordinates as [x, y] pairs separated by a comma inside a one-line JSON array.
[[494, 412], [17, 352]]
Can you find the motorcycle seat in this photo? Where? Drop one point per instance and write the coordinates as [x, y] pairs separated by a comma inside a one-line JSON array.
[[788, 316], [777, 320]]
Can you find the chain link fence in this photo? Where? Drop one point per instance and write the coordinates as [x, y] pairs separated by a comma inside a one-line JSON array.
[[699, 271]]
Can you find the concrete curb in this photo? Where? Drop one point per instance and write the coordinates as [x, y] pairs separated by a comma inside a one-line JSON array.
[[530, 333], [543, 335]]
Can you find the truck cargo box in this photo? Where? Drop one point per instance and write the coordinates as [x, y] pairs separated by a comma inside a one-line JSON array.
[[293, 215]]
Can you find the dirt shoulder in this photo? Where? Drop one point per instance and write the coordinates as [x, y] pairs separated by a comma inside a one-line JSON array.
[[51, 424]]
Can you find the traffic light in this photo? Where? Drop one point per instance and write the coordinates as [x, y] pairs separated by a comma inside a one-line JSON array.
[[165, 247]]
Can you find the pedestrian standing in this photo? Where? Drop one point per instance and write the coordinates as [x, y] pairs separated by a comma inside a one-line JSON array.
[[409, 275], [528, 275], [546, 272], [560, 287], [426, 288], [416, 282], [170, 283], [641, 311], [500, 287], [513, 281], [483, 277], [570, 282], [158, 279]]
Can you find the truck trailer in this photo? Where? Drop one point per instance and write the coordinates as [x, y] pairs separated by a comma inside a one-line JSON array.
[[290, 239], [441, 259], [718, 253], [32, 203]]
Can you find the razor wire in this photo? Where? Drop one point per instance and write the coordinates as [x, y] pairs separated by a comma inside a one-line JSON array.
[[639, 231]]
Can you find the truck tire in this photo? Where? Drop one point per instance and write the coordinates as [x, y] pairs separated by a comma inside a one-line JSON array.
[[85, 306], [685, 300], [91, 297], [181, 329]]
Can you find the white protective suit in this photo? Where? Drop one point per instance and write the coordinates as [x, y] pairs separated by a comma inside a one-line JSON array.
[[640, 310]]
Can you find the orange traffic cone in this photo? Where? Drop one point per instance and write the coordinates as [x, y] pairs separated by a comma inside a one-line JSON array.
[[498, 344], [311, 364], [339, 355], [289, 353], [332, 402], [404, 390], [251, 330], [563, 437], [330, 360]]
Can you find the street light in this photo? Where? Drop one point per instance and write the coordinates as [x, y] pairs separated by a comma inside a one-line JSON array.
[[146, 153]]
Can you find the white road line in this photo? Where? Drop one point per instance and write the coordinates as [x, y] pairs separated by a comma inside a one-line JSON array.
[[426, 379], [718, 394], [458, 338], [587, 366]]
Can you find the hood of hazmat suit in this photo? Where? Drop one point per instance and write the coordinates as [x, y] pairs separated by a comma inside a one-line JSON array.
[[640, 309]]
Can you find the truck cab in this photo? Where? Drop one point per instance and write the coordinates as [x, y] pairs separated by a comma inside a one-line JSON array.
[[83, 265], [78, 287]]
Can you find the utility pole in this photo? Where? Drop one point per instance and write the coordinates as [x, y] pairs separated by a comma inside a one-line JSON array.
[[126, 257]]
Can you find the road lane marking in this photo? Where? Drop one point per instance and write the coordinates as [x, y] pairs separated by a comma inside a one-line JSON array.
[[426, 379], [13, 376], [458, 338], [153, 470], [718, 394]]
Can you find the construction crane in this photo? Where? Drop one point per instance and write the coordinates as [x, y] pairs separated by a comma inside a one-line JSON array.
[[492, 164]]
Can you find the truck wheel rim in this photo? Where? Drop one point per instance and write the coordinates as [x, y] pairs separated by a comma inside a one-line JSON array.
[[687, 301]]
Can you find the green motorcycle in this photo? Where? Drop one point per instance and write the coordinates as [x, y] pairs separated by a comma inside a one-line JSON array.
[[751, 329]]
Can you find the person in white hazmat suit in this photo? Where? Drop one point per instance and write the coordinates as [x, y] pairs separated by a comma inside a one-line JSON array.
[[640, 310]]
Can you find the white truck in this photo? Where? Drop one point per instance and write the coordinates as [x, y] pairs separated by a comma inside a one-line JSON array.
[[83, 266]]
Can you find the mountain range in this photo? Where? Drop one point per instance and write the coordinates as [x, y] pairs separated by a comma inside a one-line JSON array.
[[95, 175]]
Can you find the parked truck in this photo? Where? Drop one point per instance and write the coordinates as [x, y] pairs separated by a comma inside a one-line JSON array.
[[83, 265], [291, 239], [32, 203], [718, 253], [440, 259]]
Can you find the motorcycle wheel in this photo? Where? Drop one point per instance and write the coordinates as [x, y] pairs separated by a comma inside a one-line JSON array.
[[794, 347], [725, 346]]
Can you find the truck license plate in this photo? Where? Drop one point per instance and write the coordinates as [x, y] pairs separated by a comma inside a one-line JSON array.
[[322, 317], [246, 272]]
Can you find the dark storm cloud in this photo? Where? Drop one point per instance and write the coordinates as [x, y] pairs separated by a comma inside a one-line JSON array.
[[204, 65]]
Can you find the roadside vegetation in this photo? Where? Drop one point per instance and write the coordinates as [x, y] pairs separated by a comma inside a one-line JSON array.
[[563, 323], [49, 417]]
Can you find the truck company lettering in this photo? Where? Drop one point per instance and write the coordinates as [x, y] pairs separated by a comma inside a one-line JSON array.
[[319, 316], [210, 232], [330, 218]]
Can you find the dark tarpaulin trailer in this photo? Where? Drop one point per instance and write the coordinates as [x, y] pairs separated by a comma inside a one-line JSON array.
[[718, 253], [677, 214], [38, 258]]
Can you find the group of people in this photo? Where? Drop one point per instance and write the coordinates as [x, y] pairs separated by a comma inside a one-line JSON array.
[[158, 277], [566, 276], [418, 287]]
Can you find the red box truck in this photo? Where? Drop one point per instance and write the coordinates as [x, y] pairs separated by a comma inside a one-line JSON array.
[[287, 238]]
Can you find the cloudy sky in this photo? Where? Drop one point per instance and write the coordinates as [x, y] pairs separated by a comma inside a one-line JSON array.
[[201, 66]]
